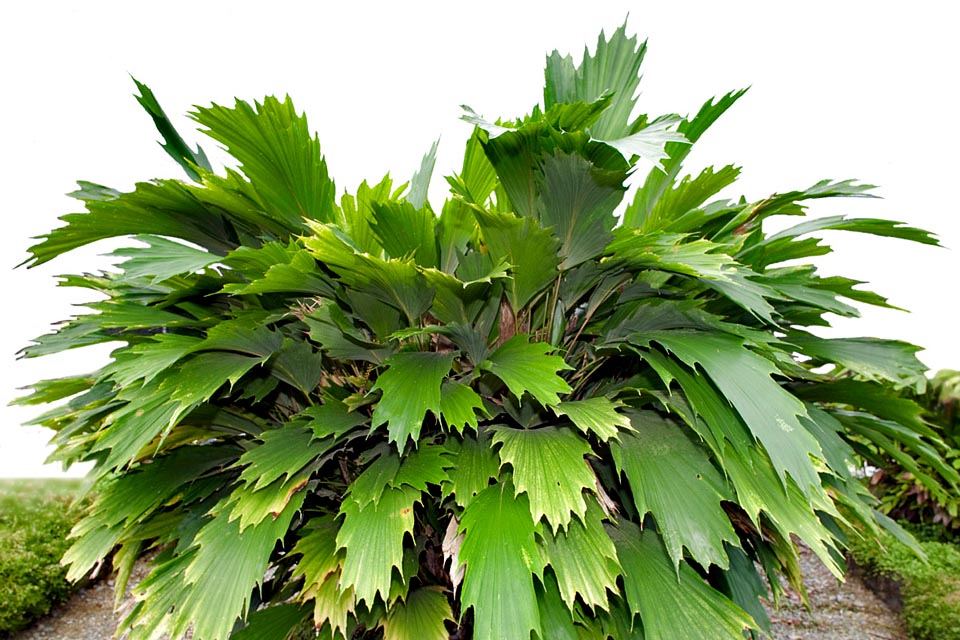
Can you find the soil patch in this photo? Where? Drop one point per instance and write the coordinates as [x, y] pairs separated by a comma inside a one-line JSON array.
[[847, 611]]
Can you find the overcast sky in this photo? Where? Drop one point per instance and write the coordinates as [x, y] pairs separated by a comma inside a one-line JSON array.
[[864, 90]]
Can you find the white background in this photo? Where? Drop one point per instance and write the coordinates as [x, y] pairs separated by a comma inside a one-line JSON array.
[[864, 90]]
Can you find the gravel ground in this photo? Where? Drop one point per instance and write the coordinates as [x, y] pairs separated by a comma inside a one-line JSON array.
[[87, 615], [848, 611], [840, 612]]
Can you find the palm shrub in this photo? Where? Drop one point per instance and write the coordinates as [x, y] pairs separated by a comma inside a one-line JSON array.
[[520, 412]]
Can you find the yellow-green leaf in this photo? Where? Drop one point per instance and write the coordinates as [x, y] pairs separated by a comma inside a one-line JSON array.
[[525, 367], [420, 617], [549, 467]]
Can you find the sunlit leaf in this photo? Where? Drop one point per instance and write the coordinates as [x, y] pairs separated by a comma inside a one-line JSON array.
[[584, 560], [459, 405], [420, 617], [525, 367], [650, 142], [163, 208], [639, 214], [549, 467], [162, 259], [526, 417], [420, 183], [278, 155], [282, 453], [319, 565], [613, 67], [372, 537], [396, 282], [142, 362], [217, 597], [596, 415]]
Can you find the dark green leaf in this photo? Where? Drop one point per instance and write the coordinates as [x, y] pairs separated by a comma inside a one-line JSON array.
[[407, 231], [277, 621], [474, 465], [771, 413], [874, 359], [529, 250], [670, 608], [337, 336], [789, 511], [174, 145], [577, 201], [356, 214], [244, 336], [673, 479], [554, 614], [501, 558], [297, 364]]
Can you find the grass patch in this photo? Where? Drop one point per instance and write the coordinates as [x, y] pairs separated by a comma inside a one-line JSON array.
[[930, 590], [35, 517]]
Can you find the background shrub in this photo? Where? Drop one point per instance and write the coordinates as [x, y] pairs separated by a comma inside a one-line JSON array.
[[930, 586], [35, 518], [918, 492]]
